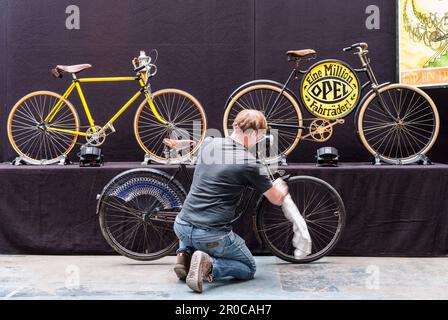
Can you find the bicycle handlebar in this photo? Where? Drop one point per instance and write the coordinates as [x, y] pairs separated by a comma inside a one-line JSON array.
[[139, 68], [143, 62], [361, 45]]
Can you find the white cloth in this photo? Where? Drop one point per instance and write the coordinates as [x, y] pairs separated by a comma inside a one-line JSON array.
[[301, 239]]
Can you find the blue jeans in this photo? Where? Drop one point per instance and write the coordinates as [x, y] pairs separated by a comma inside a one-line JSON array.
[[230, 255]]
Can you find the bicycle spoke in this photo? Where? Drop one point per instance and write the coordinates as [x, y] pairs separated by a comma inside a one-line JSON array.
[[32, 136], [182, 114], [408, 134]]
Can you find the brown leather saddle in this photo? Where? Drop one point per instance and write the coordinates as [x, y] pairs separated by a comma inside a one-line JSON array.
[[298, 55], [57, 72]]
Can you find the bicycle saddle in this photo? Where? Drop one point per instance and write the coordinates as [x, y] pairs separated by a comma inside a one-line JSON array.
[[178, 144], [56, 72], [294, 55]]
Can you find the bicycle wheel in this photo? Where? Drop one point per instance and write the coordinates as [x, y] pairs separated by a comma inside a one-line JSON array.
[[137, 210], [324, 213], [405, 128], [285, 119], [29, 134], [186, 119]]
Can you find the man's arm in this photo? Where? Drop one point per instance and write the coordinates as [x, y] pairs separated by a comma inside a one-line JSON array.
[[277, 192]]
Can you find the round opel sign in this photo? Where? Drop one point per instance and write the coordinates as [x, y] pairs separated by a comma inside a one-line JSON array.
[[330, 89]]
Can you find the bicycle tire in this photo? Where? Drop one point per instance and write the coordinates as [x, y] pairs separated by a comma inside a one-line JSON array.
[[28, 133], [412, 132], [150, 133], [141, 194], [334, 208], [289, 132]]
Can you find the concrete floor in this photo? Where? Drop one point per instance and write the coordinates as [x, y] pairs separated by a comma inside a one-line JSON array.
[[115, 277]]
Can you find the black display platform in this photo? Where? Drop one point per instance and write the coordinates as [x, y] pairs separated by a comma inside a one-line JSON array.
[[391, 210]]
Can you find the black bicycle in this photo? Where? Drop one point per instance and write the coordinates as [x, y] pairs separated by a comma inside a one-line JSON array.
[[396, 123], [138, 207]]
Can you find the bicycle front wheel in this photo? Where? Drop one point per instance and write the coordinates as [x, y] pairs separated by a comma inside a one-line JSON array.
[[137, 210], [32, 135], [321, 207], [186, 120], [284, 120], [399, 124]]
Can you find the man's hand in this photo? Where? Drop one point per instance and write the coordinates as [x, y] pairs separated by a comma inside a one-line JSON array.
[[278, 192]]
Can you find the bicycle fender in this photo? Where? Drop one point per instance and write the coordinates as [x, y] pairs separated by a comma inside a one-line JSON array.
[[160, 172], [260, 81]]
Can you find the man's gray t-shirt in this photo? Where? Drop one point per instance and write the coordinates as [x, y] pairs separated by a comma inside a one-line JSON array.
[[224, 168]]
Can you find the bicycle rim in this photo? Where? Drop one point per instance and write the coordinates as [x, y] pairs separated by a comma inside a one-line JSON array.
[[323, 210], [285, 121], [137, 210], [30, 135], [406, 128], [186, 119]]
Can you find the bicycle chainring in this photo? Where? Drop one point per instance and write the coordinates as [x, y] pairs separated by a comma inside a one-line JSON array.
[[95, 136], [321, 130]]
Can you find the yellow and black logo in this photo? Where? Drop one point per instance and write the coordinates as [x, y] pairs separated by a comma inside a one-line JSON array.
[[330, 89]]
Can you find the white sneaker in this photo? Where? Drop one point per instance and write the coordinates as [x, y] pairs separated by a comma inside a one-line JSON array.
[[200, 268]]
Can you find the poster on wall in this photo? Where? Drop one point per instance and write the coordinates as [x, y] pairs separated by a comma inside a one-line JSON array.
[[423, 42]]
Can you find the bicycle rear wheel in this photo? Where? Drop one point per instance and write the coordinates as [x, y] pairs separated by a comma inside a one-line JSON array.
[[285, 121], [321, 207], [31, 136], [137, 210], [186, 120]]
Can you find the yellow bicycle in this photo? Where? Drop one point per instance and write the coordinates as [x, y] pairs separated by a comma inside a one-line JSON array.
[[43, 126]]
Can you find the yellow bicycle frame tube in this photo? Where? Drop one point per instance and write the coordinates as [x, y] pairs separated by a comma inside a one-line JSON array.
[[76, 84], [152, 106], [58, 105]]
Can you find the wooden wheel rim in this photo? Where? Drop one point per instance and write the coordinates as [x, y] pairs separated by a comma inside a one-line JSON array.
[[188, 96], [274, 88], [393, 86], [20, 102]]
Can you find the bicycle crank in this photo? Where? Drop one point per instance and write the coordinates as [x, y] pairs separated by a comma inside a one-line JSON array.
[[95, 136], [321, 130]]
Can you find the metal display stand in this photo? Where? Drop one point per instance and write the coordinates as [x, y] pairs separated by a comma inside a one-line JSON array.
[[421, 159], [21, 161]]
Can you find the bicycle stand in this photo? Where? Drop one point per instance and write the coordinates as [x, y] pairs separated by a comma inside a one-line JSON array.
[[420, 160], [282, 161], [64, 161], [376, 160], [423, 160], [21, 161], [147, 160]]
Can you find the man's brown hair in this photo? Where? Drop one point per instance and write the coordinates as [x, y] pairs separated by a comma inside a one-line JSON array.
[[250, 119]]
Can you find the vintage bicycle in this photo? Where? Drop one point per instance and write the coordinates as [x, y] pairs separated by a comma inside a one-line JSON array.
[[137, 209], [43, 126], [396, 123]]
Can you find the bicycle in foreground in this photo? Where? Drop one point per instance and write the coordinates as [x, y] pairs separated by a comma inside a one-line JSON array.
[[137, 210]]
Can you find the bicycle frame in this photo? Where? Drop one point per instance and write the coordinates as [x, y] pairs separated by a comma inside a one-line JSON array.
[[366, 68], [76, 83]]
